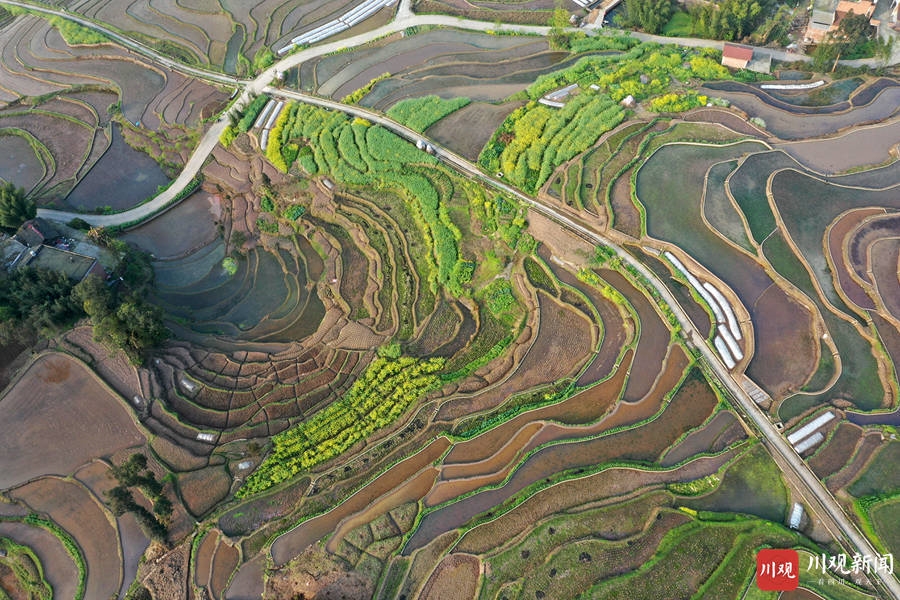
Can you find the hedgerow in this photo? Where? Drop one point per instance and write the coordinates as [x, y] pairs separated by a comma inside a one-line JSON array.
[[251, 112], [378, 398]]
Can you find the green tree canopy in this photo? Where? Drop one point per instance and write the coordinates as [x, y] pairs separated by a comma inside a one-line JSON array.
[[15, 208], [729, 19], [649, 15], [36, 301]]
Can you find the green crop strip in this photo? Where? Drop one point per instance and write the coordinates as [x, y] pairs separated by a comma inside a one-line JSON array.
[[378, 398]]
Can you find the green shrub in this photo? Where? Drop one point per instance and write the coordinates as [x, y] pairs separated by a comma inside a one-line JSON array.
[[292, 213], [358, 95], [230, 265], [251, 111], [227, 136]]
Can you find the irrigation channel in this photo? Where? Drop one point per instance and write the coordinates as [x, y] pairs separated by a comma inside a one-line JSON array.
[[811, 488]]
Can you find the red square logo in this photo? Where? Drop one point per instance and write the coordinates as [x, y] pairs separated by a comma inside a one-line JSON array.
[[777, 570]]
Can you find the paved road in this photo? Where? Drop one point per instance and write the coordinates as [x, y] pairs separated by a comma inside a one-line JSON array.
[[822, 502]]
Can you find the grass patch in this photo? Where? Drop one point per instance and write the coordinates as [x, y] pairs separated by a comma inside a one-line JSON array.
[[886, 520], [881, 475], [421, 113], [751, 485], [680, 25]]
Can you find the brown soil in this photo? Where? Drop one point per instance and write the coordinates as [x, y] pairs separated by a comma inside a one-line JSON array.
[[723, 117], [871, 146], [586, 406], [72, 507], [833, 456], [870, 443], [837, 235], [627, 413], [295, 541], [562, 344], [616, 331], [866, 235], [316, 574], [785, 332], [691, 406], [626, 217], [885, 258], [412, 490], [181, 230], [225, 562], [490, 465], [201, 490], [713, 437], [467, 130], [611, 483], [167, 575], [654, 338], [204, 557], [455, 578], [58, 399]]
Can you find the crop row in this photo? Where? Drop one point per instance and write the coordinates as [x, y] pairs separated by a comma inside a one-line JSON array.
[[359, 154], [383, 393]]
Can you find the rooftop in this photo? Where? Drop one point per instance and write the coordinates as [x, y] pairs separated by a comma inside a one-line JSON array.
[[737, 51]]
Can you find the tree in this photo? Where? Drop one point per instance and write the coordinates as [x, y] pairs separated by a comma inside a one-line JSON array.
[[15, 208], [559, 21], [852, 39], [728, 20], [134, 327], [649, 15], [36, 301]]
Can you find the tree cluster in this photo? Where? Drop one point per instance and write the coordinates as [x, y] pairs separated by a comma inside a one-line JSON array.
[[134, 473], [15, 208], [854, 38], [129, 323], [36, 302], [729, 19], [649, 15]]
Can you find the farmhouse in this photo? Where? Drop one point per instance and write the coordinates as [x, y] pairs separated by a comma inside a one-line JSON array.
[[39, 244], [35, 232], [737, 56], [828, 14]]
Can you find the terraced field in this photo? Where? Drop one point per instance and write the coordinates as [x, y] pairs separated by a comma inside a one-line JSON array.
[[68, 111], [386, 379]]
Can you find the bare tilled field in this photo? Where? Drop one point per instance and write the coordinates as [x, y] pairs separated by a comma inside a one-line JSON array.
[[59, 399], [73, 508]]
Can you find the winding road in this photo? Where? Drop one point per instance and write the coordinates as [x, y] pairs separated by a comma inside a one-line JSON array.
[[816, 495]]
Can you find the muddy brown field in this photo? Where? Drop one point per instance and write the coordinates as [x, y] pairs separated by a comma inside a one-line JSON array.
[[59, 399]]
